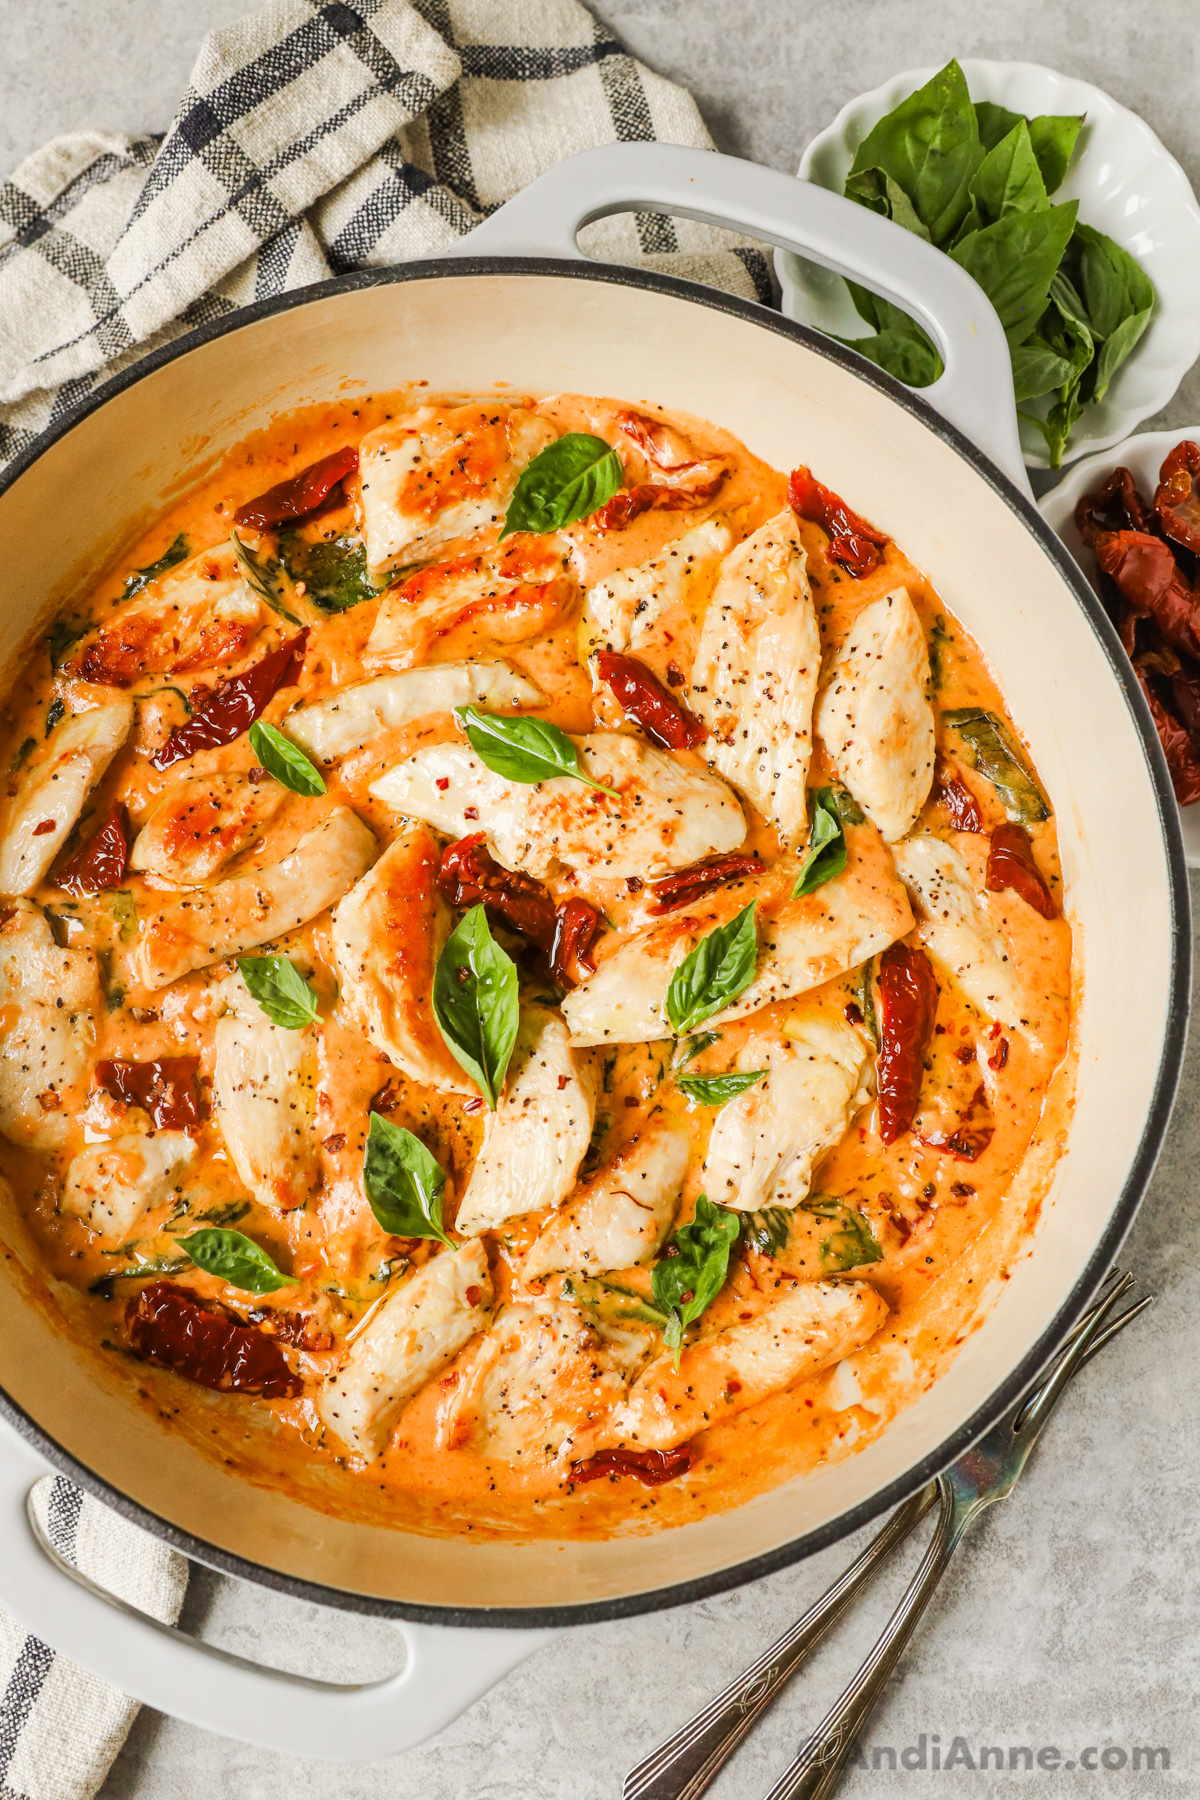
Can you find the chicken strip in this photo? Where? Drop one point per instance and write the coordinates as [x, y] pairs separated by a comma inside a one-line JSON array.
[[507, 593], [874, 715], [264, 1101], [766, 1143], [356, 716], [195, 616], [52, 793], [623, 609], [623, 1214], [720, 1375], [436, 475], [755, 674], [201, 824], [535, 1141], [48, 1001], [112, 1187], [415, 1332], [387, 935], [667, 816], [246, 910], [954, 925]]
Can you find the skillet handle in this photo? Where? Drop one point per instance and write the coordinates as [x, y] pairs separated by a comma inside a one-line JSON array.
[[444, 1671], [975, 393]]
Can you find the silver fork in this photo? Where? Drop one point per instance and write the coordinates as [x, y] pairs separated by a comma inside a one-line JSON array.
[[684, 1765]]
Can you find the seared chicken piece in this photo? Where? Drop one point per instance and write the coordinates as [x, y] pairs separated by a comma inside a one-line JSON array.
[[815, 1325], [801, 945], [874, 715], [543, 1376], [755, 674], [436, 475], [621, 1216], [237, 914], [356, 716], [200, 825], [954, 926], [113, 1186], [193, 617], [264, 1100], [387, 934], [667, 816], [766, 1143], [509, 592], [623, 609], [48, 1001], [52, 794], [414, 1333], [535, 1141]]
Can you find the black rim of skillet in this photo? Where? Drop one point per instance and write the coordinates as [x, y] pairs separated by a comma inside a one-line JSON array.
[[1174, 1035]]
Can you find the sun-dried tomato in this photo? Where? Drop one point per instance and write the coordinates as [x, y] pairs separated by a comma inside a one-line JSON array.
[[166, 1325], [652, 1467], [642, 696], [101, 862], [1117, 506], [645, 496], [302, 495], [687, 885], [1148, 576], [468, 875], [222, 713], [962, 808], [1011, 864], [575, 926], [1177, 499], [908, 996], [165, 1088], [853, 544], [1182, 759]]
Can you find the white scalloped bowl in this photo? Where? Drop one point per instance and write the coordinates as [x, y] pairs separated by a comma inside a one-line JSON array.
[[1127, 184], [1142, 456]]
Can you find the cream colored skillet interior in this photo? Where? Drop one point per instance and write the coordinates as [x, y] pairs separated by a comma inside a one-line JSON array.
[[538, 327]]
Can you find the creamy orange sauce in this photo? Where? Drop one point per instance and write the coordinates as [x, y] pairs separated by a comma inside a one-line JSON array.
[[948, 1228]]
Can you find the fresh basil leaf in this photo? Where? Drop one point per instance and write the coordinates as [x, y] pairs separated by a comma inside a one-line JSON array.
[[570, 479], [56, 711], [693, 1268], [715, 1090], [333, 570], [1052, 136], [929, 147], [1117, 348], [688, 1051], [124, 914], [228, 1214], [22, 754], [280, 989], [63, 634], [768, 1231], [280, 758], [1014, 262], [1008, 180], [234, 1258], [876, 189], [174, 553], [404, 1182], [1037, 369], [615, 1304], [852, 1243], [904, 350], [475, 1003], [167, 1265], [995, 756], [826, 853], [712, 975], [525, 750], [1112, 283], [266, 576], [864, 994]]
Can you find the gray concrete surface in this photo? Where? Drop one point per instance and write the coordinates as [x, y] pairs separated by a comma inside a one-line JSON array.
[[1071, 1620]]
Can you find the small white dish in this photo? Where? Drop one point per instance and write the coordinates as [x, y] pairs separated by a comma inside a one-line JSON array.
[[1143, 457], [1127, 184]]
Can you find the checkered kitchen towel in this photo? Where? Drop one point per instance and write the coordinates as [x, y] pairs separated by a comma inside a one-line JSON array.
[[314, 138]]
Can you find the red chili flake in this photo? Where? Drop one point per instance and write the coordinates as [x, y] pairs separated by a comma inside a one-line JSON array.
[[256, 775], [1177, 499], [442, 782], [965, 1053], [468, 875], [853, 1012], [100, 863], [470, 812], [473, 1106], [634, 883], [908, 996], [733, 1387], [575, 926], [642, 697], [853, 544], [968, 1140], [652, 1467], [222, 713], [1001, 1057], [962, 1190], [302, 495], [675, 675], [962, 808], [165, 1088], [335, 1143], [1010, 864], [471, 1295], [688, 885], [41, 829], [166, 1325]]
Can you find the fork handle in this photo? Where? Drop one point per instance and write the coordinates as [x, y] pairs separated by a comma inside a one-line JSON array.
[[818, 1768], [683, 1767]]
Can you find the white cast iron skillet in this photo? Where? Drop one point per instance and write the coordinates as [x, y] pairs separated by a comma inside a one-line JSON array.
[[948, 483]]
